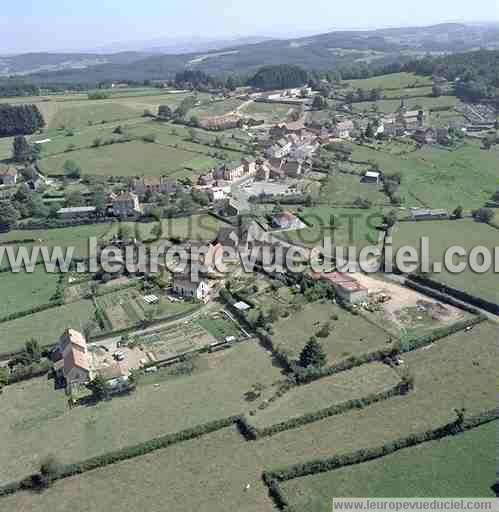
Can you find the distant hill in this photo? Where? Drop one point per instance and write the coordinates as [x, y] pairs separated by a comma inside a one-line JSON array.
[[29, 63], [320, 52]]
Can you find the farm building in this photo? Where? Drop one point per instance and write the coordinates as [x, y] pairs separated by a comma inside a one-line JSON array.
[[343, 129], [371, 177], [76, 212], [424, 136], [348, 289], [427, 214]]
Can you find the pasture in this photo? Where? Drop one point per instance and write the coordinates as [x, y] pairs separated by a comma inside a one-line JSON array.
[[445, 378], [344, 189], [196, 227], [437, 177], [130, 159], [388, 106], [45, 326], [212, 392], [461, 466], [391, 81], [444, 234], [23, 291], [269, 112], [345, 227]]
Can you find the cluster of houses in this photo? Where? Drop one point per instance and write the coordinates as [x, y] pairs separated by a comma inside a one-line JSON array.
[[8, 175]]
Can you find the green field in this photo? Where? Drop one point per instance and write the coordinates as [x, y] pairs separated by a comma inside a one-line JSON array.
[[197, 227], [462, 466], [134, 158], [389, 106], [445, 378], [269, 112], [213, 392], [438, 177], [344, 226], [344, 189], [22, 291], [391, 81], [46, 326], [444, 234], [76, 237], [216, 108], [355, 384]]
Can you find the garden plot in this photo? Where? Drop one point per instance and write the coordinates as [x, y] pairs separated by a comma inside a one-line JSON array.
[[174, 341]]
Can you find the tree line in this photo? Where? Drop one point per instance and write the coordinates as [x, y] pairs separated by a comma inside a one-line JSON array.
[[20, 120]]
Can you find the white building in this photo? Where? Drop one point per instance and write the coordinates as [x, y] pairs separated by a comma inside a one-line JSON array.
[[125, 204]]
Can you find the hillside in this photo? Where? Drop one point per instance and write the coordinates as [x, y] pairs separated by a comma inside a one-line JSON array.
[[321, 52]]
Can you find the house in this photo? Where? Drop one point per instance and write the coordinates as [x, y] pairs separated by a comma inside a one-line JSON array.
[[146, 186], [428, 214], [285, 220], [280, 149], [216, 193], [75, 363], [125, 204], [343, 129], [292, 168], [77, 212], [424, 136], [371, 177], [8, 175], [185, 287], [347, 288], [236, 170]]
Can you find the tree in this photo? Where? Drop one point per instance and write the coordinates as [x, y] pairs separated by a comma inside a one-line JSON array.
[[72, 170], [74, 199], [436, 91], [20, 149], [33, 350], [483, 215], [390, 218], [99, 387], [165, 112], [313, 354], [458, 213], [369, 131], [319, 103], [8, 216]]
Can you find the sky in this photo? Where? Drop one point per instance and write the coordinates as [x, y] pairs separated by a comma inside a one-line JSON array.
[[34, 25]]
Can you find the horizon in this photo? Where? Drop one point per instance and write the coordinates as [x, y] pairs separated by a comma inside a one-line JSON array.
[[124, 25]]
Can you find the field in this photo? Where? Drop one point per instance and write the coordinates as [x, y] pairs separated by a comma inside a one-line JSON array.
[[76, 237], [348, 334], [437, 177], [355, 384], [463, 466], [212, 392], [24, 291], [46, 326], [216, 108], [391, 105], [445, 378], [130, 159], [269, 112], [197, 227], [391, 81], [344, 189], [344, 226], [445, 234]]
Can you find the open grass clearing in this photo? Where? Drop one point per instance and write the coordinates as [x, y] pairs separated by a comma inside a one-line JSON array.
[[216, 108], [391, 81], [346, 227], [196, 227], [444, 234], [134, 158], [351, 385], [46, 326], [389, 106], [344, 189], [461, 466], [445, 378], [215, 392], [22, 291], [437, 177], [268, 112]]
